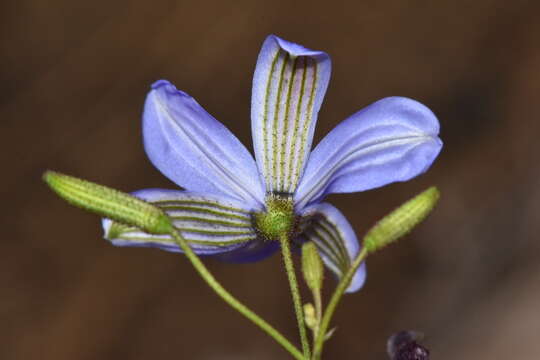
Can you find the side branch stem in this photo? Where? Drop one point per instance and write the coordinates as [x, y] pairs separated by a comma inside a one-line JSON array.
[[295, 292], [334, 301], [318, 310], [231, 300]]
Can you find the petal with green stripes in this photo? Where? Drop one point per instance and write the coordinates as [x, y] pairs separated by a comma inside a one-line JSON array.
[[335, 239], [289, 85], [212, 224]]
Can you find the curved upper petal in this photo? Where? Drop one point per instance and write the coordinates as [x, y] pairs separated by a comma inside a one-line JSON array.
[[212, 224], [289, 85], [195, 150], [335, 240], [393, 139]]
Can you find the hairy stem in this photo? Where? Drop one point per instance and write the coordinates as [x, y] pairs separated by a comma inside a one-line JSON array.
[[334, 301], [318, 310], [231, 300], [295, 292]]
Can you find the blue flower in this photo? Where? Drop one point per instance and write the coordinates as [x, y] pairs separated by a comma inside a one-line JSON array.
[[230, 200]]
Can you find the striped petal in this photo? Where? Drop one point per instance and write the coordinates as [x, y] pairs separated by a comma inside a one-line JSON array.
[[288, 89], [335, 239], [211, 224], [195, 150], [394, 139]]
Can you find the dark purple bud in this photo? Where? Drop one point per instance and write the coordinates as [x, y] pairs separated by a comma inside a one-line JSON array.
[[412, 351], [403, 346]]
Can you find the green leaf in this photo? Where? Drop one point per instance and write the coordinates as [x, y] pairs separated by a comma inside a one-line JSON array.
[[109, 203], [402, 220]]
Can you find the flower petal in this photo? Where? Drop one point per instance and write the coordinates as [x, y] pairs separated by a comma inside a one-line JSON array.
[[288, 89], [393, 139], [335, 239], [211, 224], [195, 150], [252, 251]]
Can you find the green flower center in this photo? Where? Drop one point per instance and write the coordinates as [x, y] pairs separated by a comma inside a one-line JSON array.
[[278, 219]]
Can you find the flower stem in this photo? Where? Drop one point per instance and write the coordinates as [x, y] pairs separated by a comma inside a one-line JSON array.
[[318, 310], [334, 301], [295, 292], [231, 300]]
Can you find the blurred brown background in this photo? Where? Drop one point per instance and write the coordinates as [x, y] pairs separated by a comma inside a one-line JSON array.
[[74, 76]]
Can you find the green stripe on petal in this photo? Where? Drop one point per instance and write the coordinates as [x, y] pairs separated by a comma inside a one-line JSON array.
[[335, 240], [289, 84], [211, 224]]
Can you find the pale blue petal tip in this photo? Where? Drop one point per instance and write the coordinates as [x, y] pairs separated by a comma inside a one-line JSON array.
[[159, 83], [168, 87], [294, 48]]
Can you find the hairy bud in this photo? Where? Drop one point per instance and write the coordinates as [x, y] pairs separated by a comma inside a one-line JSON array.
[[109, 203]]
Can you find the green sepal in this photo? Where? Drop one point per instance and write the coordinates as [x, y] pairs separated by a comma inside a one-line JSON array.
[[109, 203], [402, 220]]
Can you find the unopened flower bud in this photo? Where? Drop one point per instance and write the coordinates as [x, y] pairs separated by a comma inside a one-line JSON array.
[[403, 346], [312, 267], [109, 203], [310, 316], [402, 220]]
